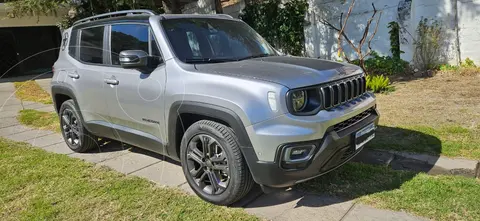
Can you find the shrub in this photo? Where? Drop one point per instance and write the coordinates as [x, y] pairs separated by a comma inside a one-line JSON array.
[[429, 43], [466, 67], [378, 83], [384, 65], [468, 63]]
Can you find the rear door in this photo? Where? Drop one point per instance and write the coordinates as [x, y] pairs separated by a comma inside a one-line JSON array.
[[87, 77], [136, 102]]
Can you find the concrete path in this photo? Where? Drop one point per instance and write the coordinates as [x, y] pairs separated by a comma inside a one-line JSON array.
[[288, 205]]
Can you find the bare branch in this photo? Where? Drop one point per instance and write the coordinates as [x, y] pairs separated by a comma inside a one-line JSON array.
[[330, 25], [373, 35], [365, 33], [342, 27]]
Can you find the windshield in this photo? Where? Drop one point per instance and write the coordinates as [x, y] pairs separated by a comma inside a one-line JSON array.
[[197, 40]]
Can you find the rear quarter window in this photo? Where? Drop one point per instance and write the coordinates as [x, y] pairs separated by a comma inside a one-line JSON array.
[[72, 45], [91, 45]]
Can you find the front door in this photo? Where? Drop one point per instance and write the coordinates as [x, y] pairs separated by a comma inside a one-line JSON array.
[[135, 98]]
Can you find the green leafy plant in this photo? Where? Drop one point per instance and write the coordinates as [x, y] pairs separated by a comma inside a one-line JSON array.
[[378, 83], [384, 65], [448, 67], [467, 67], [280, 26], [468, 63], [395, 39]]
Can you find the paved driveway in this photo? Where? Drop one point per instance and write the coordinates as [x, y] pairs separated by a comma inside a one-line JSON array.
[[288, 205]]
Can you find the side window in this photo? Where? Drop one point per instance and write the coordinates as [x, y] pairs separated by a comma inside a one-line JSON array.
[[91, 45], [153, 44], [72, 45], [128, 37]]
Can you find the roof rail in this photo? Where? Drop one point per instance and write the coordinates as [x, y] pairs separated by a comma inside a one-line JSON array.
[[113, 14], [225, 15]]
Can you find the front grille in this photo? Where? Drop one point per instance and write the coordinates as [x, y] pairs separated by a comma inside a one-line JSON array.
[[339, 92], [352, 121]]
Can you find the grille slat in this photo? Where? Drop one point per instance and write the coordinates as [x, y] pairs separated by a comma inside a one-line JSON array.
[[342, 91], [352, 121]]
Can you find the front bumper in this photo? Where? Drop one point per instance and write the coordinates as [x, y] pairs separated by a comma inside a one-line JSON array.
[[332, 151]]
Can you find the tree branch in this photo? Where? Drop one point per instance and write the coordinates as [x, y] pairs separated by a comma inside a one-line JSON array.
[[365, 33], [373, 35]]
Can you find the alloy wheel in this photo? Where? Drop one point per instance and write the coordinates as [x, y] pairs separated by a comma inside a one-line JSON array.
[[207, 164], [71, 127]]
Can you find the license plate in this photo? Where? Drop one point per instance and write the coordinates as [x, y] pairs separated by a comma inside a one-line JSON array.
[[364, 135]]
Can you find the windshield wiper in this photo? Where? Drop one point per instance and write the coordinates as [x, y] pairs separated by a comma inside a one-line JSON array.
[[208, 60], [256, 56]]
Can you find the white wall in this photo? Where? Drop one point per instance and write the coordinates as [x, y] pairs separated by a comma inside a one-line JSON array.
[[321, 41]]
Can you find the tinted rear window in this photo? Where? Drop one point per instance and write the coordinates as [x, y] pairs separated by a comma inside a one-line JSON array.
[[91, 45]]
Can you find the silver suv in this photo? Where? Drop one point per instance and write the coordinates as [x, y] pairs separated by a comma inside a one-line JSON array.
[[210, 92]]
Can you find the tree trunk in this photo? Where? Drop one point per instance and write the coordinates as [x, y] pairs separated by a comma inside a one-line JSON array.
[[218, 7]]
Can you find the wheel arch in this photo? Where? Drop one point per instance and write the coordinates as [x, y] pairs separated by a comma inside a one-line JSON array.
[[62, 93], [177, 124]]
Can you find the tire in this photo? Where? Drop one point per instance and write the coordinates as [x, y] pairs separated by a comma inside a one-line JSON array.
[[74, 133], [233, 176]]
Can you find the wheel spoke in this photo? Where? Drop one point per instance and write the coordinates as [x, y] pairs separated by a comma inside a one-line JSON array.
[[193, 156], [195, 172], [218, 158], [206, 146], [66, 120], [213, 181], [221, 167]]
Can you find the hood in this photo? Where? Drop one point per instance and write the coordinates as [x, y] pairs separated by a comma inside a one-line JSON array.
[[292, 72]]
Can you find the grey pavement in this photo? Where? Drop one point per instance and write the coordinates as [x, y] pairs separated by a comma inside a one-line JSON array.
[[285, 205]]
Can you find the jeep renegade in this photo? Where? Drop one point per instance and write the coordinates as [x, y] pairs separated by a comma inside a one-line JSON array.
[[210, 92]]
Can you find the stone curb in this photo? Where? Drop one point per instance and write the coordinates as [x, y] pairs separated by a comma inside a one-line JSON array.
[[433, 165]]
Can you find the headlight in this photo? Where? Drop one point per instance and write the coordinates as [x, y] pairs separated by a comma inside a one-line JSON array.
[[299, 100], [304, 101]]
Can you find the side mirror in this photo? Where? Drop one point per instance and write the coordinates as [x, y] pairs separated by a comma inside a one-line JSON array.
[[133, 59]]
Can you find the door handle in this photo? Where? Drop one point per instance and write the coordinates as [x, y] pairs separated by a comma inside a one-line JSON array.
[[74, 76], [111, 81]]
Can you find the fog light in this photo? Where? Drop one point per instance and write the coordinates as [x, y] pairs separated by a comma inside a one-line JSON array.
[[296, 154]]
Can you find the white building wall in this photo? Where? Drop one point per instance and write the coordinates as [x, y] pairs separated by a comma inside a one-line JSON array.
[[469, 29], [321, 41]]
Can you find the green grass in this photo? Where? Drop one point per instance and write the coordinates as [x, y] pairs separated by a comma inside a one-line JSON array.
[[435, 197], [39, 119], [451, 141], [37, 185], [31, 91]]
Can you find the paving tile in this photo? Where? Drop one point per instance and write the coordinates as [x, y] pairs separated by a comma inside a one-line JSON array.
[[60, 148], [16, 107], [163, 173], [270, 206], [28, 135], [13, 130], [49, 108], [37, 106], [11, 101], [48, 140], [130, 162], [317, 207], [363, 212], [8, 122], [104, 151], [8, 114]]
